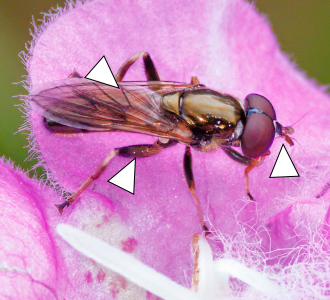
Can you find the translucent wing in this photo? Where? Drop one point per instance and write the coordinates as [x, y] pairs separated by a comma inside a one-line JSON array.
[[89, 105]]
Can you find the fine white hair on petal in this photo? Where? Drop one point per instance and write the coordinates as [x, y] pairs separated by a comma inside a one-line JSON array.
[[125, 264], [303, 271]]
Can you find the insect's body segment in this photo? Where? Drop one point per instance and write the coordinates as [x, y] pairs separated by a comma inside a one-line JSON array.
[[190, 114], [212, 117]]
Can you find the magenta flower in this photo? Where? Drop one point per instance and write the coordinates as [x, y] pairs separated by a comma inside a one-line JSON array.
[[231, 48]]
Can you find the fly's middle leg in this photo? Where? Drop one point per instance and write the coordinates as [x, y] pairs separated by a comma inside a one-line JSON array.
[[129, 151], [191, 184]]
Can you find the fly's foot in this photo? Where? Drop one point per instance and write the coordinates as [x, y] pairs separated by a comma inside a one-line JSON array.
[[250, 196], [206, 230], [204, 227], [60, 207]]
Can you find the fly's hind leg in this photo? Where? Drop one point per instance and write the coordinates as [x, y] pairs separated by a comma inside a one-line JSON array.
[[96, 174], [149, 67], [191, 184], [129, 151], [250, 162]]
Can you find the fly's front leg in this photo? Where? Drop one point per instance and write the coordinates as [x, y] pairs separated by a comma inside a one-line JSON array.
[[149, 67], [129, 151], [191, 184], [250, 162]]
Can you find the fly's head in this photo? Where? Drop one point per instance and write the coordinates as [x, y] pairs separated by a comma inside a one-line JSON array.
[[261, 127]]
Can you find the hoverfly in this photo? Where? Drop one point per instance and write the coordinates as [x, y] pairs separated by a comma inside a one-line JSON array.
[[190, 114]]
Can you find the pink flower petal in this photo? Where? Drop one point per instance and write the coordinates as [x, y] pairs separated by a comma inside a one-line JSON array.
[[27, 255], [231, 49], [35, 262]]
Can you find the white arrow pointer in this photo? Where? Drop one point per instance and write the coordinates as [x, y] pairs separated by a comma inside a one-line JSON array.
[[102, 73], [125, 178], [284, 166]]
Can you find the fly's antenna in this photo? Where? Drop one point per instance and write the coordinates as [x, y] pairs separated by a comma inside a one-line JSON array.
[[304, 115], [288, 130], [285, 132]]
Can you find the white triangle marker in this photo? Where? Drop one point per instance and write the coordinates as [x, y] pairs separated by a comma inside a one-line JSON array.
[[284, 166], [125, 178], [102, 73]]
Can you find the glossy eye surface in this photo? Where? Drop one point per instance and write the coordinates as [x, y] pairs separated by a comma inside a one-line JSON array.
[[259, 131]]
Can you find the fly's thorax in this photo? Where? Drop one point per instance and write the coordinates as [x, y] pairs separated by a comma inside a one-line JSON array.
[[207, 111]]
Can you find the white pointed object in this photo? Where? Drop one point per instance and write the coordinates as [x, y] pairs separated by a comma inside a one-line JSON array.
[[102, 73], [125, 265], [256, 280], [203, 268], [284, 166], [125, 178], [208, 283]]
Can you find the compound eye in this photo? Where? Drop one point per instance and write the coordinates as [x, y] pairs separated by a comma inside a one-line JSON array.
[[259, 131], [260, 102]]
